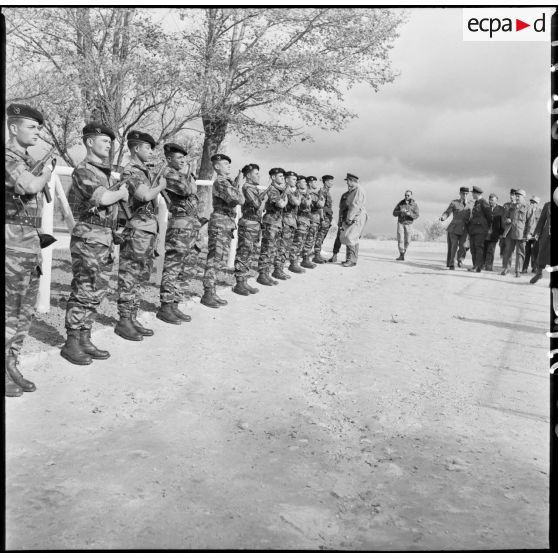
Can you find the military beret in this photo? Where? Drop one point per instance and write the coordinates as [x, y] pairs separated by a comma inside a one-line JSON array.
[[308, 178], [477, 190], [513, 191], [97, 129], [276, 170], [464, 189], [290, 173], [249, 168], [174, 148], [535, 199], [521, 192], [327, 177], [24, 111], [349, 176], [300, 177], [220, 157], [135, 136]]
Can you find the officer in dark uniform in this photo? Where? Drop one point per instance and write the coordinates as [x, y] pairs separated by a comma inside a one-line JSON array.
[[457, 229], [478, 227], [327, 216], [494, 232], [342, 215]]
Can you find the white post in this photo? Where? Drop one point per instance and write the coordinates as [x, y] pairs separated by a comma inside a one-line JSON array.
[[234, 240], [162, 219], [68, 215], [47, 218]]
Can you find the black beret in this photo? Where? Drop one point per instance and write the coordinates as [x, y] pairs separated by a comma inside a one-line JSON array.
[[24, 111], [97, 129], [477, 190], [327, 177], [311, 178], [220, 157], [276, 170], [349, 175], [135, 136], [464, 189], [249, 168], [300, 177], [290, 173], [513, 191], [174, 148]]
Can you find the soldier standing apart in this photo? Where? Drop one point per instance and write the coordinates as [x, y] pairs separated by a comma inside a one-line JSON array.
[[478, 226], [226, 196], [23, 249], [249, 228], [518, 220], [342, 212], [505, 207], [355, 209], [302, 224], [494, 231], [318, 202], [140, 232], [289, 225], [327, 216], [182, 231], [532, 246], [406, 212], [461, 211], [542, 235], [93, 198], [272, 227]]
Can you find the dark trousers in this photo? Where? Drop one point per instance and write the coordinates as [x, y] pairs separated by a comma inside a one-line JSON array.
[[457, 248], [489, 250], [531, 254], [477, 249], [337, 243]]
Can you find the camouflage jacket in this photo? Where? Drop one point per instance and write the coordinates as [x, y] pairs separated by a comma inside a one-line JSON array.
[[143, 212], [182, 192], [274, 213], [304, 207], [318, 202], [328, 205], [291, 209], [253, 206], [226, 196]]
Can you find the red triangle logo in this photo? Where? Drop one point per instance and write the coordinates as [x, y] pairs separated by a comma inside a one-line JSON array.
[[519, 25]]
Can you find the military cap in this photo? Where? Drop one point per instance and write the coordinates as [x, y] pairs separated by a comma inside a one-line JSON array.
[[24, 111], [521, 192], [174, 148], [97, 129], [349, 176], [290, 173], [308, 178], [464, 189], [249, 168], [276, 170], [535, 199], [220, 157], [300, 177], [135, 136], [327, 177], [513, 191], [477, 190]]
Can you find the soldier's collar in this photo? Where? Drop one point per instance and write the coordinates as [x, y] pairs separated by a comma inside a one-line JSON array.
[[102, 166], [16, 149]]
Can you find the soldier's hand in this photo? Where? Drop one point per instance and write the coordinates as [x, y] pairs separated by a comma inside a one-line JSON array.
[[124, 194], [46, 173]]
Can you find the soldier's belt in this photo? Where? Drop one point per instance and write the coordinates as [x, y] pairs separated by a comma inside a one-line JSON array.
[[226, 213], [107, 222], [26, 220]]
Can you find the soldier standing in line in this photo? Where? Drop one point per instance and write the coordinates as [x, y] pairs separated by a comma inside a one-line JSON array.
[[518, 221], [302, 224], [342, 213], [222, 222], [494, 232], [532, 246], [318, 202], [182, 231], [478, 226], [406, 212], [272, 226], [505, 207], [140, 233], [327, 216], [23, 185], [289, 225], [93, 198], [249, 227], [461, 211]]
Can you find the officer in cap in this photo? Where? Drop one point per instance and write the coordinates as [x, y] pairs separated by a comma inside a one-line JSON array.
[[302, 224], [355, 217], [505, 208], [93, 198], [326, 217], [24, 182], [140, 233], [478, 227], [222, 223], [457, 230], [494, 232]]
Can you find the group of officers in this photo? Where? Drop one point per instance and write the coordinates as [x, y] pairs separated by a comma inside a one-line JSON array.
[[292, 217]]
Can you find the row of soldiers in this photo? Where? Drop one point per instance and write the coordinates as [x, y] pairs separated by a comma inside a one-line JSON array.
[[292, 215]]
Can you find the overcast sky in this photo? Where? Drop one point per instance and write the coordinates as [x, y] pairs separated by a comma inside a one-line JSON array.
[[461, 113]]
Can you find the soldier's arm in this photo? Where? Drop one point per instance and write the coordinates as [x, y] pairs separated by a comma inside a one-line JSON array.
[[22, 181], [447, 212], [143, 190], [414, 211], [223, 189], [252, 197], [355, 206]]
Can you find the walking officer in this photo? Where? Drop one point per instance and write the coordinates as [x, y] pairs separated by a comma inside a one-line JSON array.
[[478, 227], [457, 229], [494, 232], [327, 216], [289, 225]]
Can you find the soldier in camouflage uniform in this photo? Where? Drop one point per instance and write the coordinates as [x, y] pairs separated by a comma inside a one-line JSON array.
[[272, 226], [318, 202], [94, 198], [289, 225], [249, 228], [140, 232], [226, 196], [302, 225], [326, 217], [182, 231], [23, 185]]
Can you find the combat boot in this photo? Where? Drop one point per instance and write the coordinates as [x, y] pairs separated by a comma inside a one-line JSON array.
[[89, 348], [72, 350], [536, 277], [240, 288], [250, 289], [144, 331], [11, 389], [17, 376], [333, 259], [273, 282], [208, 299], [307, 263], [166, 314], [125, 328], [401, 256], [219, 300], [295, 268], [318, 259], [279, 274], [265, 279], [179, 314]]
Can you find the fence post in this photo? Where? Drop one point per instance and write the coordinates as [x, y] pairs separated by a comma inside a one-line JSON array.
[[47, 226], [162, 220]]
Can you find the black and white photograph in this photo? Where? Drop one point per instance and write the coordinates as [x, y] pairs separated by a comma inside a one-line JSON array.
[[279, 278]]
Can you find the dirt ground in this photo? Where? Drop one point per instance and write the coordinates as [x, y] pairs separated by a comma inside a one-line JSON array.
[[390, 406]]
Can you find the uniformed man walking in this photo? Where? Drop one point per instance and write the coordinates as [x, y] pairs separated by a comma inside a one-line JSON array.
[[326, 217], [407, 212], [505, 208], [24, 183], [457, 229], [478, 227], [532, 246], [542, 235], [226, 196], [289, 225], [494, 231], [302, 225], [318, 202], [93, 198], [182, 231]]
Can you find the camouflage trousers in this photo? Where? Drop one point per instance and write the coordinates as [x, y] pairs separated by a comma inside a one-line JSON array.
[[285, 245], [308, 248], [179, 244], [301, 233], [246, 250], [21, 289], [323, 229], [271, 238], [219, 235], [134, 269], [91, 270]]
